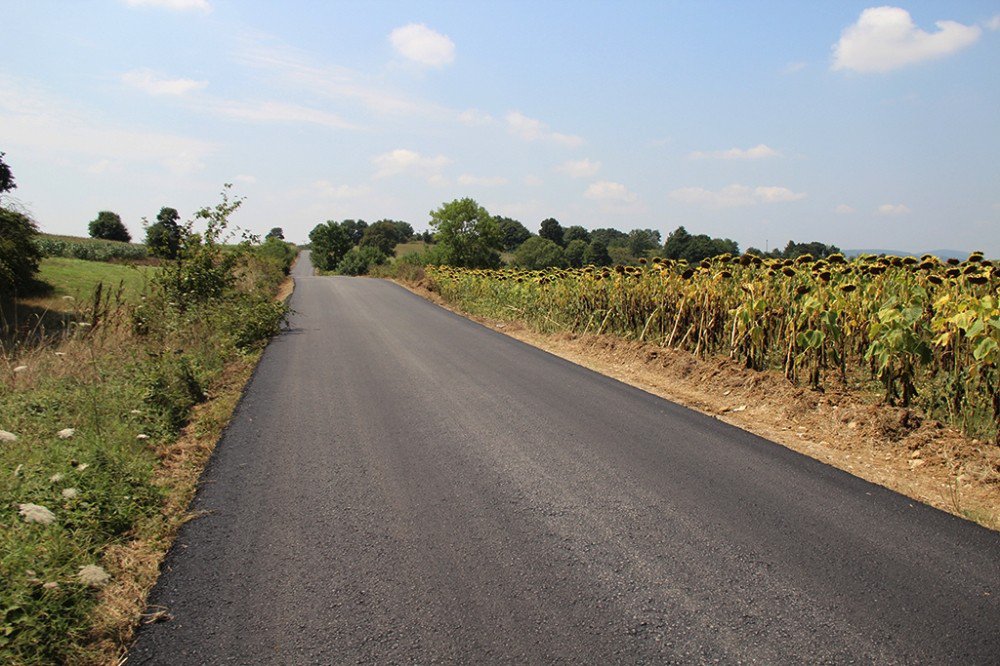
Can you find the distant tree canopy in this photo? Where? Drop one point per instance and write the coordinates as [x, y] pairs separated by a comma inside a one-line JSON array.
[[576, 232], [330, 243], [609, 237], [467, 235], [275, 232], [109, 226], [537, 253], [597, 254], [384, 235], [682, 245], [355, 229], [552, 230], [641, 241], [18, 254], [512, 232], [163, 238], [575, 252], [793, 249]]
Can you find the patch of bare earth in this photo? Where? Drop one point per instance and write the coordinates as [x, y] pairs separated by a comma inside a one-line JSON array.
[[893, 447]]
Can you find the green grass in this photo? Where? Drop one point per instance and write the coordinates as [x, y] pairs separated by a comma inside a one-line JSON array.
[[412, 247], [78, 278]]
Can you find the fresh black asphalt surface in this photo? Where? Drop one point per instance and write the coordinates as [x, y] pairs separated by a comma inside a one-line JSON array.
[[400, 485]]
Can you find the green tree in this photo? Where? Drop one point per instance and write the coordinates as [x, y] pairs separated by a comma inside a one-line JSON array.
[[6, 178], [355, 230], [383, 235], [163, 239], [18, 254], [597, 254], [514, 233], [575, 252], [609, 237], [641, 241], [552, 230], [682, 245], [537, 253], [467, 234], [404, 231], [275, 232], [359, 260], [330, 242], [575, 232], [109, 226]]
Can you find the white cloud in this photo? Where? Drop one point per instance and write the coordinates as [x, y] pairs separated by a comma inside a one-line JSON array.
[[277, 112], [893, 209], [328, 190], [531, 129], [149, 82], [420, 44], [844, 209], [36, 120], [993, 23], [794, 67], [584, 168], [758, 152], [402, 160], [180, 5], [475, 118], [608, 191], [886, 38], [735, 195], [483, 181]]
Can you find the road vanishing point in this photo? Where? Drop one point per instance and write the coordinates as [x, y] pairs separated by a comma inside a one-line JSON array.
[[400, 485]]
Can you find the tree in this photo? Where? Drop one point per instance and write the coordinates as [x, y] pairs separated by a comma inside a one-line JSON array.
[[575, 232], [575, 252], [275, 232], [597, 254], [682, 245], [404, 231], [355, 230], [467, 234], [330, 242], [609, 237], [513, 232], [537, 253], [18, 254], [109, 226], [6, 177], [163, 239], [552, 230], [383, 235], [815, 248], [641, 241]]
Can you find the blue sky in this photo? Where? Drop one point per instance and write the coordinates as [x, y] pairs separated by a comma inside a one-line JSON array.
[[848, 123]]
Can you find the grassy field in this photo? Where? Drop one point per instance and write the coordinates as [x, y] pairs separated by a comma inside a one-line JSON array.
[[76, 279], [412, 247]]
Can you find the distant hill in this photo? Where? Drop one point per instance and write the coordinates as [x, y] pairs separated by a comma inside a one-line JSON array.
[[940, 254]]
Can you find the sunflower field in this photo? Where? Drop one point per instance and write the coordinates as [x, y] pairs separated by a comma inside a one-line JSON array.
[[923, 332]]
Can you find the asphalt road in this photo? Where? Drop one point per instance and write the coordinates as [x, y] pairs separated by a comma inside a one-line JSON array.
[[401, 485]]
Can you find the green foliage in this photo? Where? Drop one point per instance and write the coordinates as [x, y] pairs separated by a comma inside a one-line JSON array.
[[330, 241], [276, 250], [172, 388], [597, 254], [89, 249], [355, 230], [18, 253], [275, 232], [6, 177], [360, 260], [467, 235], [551, 229], [537, 253], [512, 232], [682, 245], [109, 226], [609, 237], [641, 241], [576, 252], [575, 232], [383, 236], [163, 239]]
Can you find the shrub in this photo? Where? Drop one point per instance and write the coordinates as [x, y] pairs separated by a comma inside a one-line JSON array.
[[173, 388], [360, 260]]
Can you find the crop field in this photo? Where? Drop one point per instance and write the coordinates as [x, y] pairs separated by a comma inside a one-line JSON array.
[[922, 332]]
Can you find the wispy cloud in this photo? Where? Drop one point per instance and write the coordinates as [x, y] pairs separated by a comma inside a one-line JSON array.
[[608, 191], [149, 82], [844, 209], [886, 38], [481, 181], [420, 44], [33, 118], [758, 152], [584, 168], [735, 195], [403, 160], [177, 5], [794, 67], [892, 210], [475, 118], [276, 112], [531, 129]]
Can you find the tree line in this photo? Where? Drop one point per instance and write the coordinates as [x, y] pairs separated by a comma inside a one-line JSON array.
[[463, 233]]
